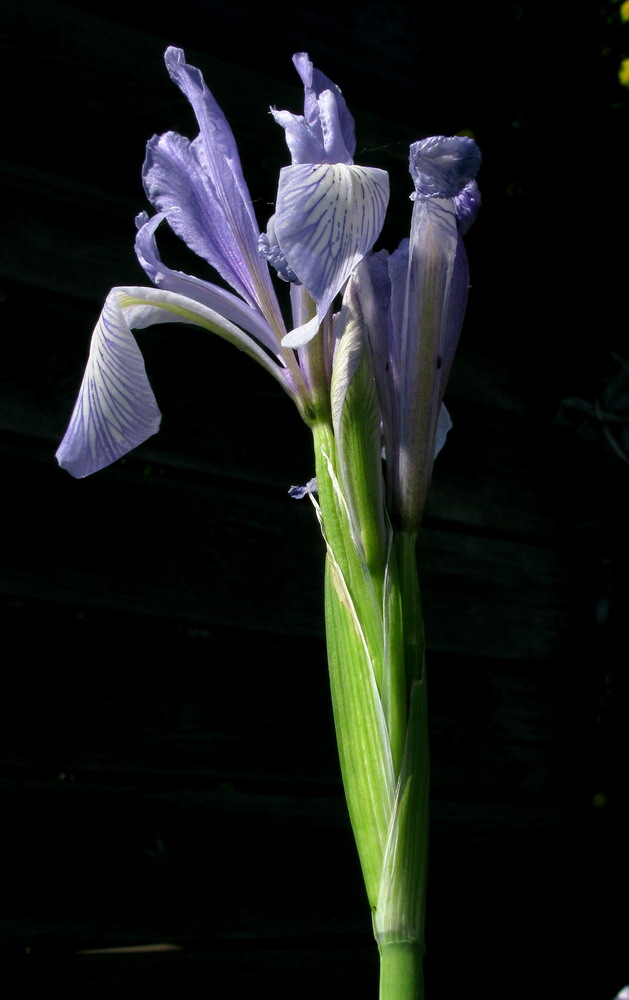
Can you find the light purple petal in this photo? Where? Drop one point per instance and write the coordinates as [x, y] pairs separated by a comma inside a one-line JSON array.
[[304, 144], [200, 188], [299, 492], [441, 166], [427, 308], [444, 426], [116, 409], [325, 132], [467, 204], [207, 294], [328, 217], [315, 84]]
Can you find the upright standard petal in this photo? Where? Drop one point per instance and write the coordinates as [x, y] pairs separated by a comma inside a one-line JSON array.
[[201, 190], [325, 132], [328, 218]]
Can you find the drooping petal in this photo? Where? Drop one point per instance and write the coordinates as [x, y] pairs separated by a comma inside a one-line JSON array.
[[200, 188], [328, 218], [116, 410], [212, 296]]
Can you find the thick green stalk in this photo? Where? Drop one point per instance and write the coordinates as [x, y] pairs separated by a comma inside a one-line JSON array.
[[378, 685], [401, 971]]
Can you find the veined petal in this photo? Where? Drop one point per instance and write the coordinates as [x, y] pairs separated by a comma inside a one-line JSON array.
[[328, 218], [116, 409], [421, 343], [467, 204], [325, 132], [200, 188], [442, 165], [212, 296], [337, 124]]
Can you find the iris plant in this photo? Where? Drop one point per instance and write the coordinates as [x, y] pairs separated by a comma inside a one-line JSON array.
[[368, 380]]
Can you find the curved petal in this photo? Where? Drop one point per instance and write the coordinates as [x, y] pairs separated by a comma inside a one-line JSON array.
[[116, 410], [212, 296], [467, 204], [325, 131], [442, 165], [336, 122], [304, 144], [328, 217], [201, 189]]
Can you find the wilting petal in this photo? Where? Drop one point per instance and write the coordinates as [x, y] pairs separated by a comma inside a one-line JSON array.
[[116, 409], [200, 188], [299, 492], [467, 204], [212, 296], [442, 165], [328, 217]]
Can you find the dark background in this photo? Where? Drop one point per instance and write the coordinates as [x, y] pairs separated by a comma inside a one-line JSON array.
[[167, 756]]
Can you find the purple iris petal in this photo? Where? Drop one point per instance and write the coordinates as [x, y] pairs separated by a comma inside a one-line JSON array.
[[467, 204], [328, 217], [212, 296], [424, 336], [299, 492], [115, 410], [413, 304], [441, 166], [200, 188], [325, 132]]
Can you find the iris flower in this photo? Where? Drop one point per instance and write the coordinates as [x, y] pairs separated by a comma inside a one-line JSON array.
[[369, 381], [329, 213]]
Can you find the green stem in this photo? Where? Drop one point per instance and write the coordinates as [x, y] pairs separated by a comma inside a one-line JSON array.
[[401, 971]]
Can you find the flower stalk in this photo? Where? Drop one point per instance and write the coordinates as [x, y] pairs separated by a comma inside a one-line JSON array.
[[368, 380]]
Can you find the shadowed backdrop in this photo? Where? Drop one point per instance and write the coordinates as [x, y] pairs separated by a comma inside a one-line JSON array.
[[167, 756]]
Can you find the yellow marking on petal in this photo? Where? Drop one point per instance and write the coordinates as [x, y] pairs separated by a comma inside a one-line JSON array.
[[623, 73], [624, 11]]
